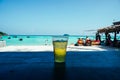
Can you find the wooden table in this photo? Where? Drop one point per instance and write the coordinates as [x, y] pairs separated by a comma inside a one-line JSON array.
[[101, 65]]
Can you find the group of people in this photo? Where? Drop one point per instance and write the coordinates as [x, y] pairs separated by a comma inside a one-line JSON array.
[[82, 41], [88, 41]]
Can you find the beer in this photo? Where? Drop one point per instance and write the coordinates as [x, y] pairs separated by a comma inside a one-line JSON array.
[[59, 50]]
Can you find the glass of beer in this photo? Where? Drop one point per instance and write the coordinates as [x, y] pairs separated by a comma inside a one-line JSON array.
[[59, 47]]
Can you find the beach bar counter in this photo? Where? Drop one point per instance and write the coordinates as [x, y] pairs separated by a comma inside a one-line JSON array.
[[80, 65]]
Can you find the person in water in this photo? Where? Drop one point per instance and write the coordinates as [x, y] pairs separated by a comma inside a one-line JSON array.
[[46, 42]]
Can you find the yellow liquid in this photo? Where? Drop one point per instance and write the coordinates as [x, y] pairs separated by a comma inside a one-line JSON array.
[[60, 50]]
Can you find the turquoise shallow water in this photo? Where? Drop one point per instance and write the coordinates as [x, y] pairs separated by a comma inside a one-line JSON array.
[[39, 39]]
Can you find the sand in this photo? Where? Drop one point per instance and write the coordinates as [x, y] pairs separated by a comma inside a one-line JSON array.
[[50, 48]]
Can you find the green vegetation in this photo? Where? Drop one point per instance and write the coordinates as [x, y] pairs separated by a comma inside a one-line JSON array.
[[3, 34]]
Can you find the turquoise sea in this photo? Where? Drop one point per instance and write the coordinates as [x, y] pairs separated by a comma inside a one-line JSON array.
[[39, 39]]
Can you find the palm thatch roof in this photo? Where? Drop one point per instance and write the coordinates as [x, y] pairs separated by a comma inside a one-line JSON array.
[[112, 28]]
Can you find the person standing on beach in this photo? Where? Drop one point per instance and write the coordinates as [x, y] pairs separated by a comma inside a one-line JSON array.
[[109, 37], [98, 37], [109, 42]]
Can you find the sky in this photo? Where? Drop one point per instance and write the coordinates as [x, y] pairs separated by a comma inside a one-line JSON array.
[[57, 17]]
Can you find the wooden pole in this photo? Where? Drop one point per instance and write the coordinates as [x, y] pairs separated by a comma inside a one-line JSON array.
[[115, 36], [114, 42]]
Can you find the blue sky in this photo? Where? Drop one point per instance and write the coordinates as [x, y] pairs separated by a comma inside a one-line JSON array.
[[47, 17]]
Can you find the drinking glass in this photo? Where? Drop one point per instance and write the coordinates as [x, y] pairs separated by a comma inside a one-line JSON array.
[[59, 47]]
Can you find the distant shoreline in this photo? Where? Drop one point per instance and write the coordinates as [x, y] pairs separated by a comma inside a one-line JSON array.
[[3, 33], [44, 35]]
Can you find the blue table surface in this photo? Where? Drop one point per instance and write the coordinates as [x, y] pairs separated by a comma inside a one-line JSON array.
[[93, 65]]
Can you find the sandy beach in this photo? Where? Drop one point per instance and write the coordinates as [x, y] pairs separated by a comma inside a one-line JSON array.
[[50, 48]]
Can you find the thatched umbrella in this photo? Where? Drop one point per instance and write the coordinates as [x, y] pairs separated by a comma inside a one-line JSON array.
[[110, 29]]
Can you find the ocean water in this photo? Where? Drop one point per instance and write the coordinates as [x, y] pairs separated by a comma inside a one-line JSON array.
[[40, 39]]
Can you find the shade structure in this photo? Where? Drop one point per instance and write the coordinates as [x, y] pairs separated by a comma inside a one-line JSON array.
[[110, 29]]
